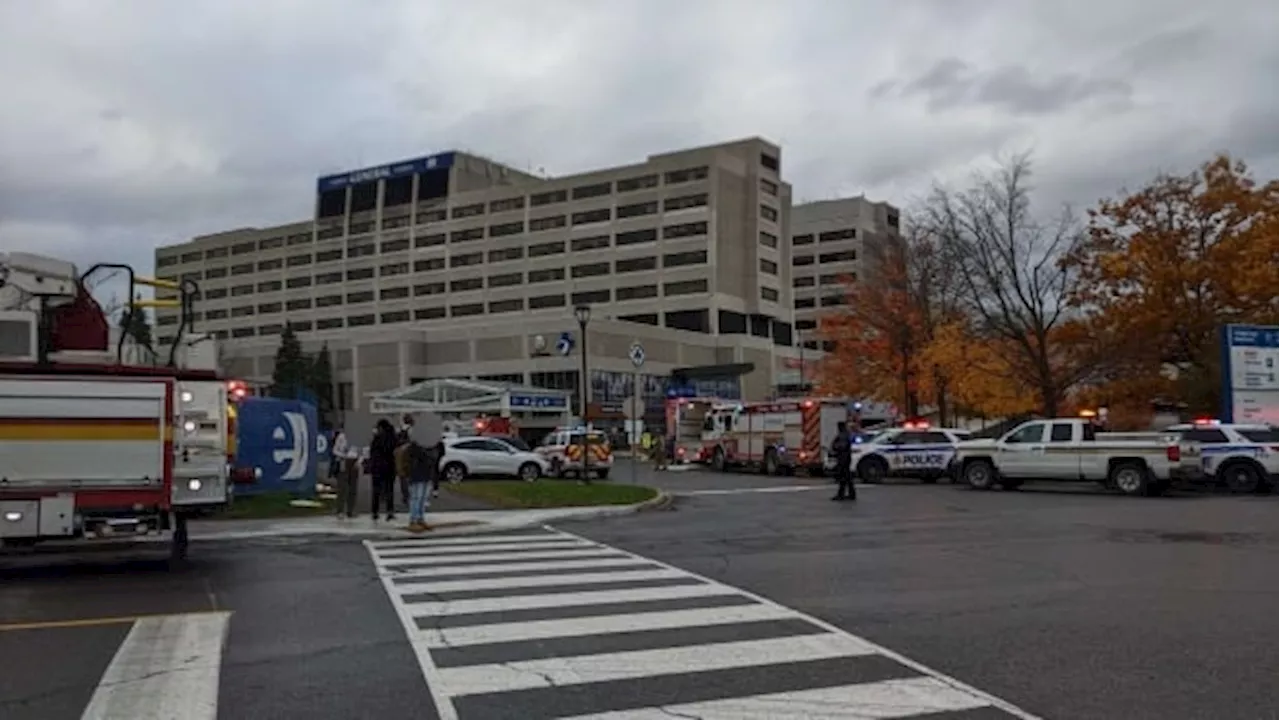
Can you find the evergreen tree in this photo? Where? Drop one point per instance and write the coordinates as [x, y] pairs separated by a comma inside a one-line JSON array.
[[320, 382], [292, 368]]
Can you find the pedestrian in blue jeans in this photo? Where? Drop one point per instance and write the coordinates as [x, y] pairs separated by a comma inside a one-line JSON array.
[[422, 471]]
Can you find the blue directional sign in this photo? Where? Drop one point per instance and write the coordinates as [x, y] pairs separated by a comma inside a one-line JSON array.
[[564, 345], [538, 401]]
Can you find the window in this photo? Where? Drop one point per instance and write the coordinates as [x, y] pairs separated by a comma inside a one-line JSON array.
[[801, 240], [589, 191], [298, 282], [242, 332], [841, 256], [548, 275], [192, 257], [390, 246], [1208, 436], [833, 300], [683, 176], [215, 293], [242, 311], [515, 203], [394, 316], [363, 296], [506, 279], [768, 240], [239, 290], [217, 314], [466, 310], [166, 261], [1060, 432], [768, 187], [768, 162], [803, 303], [590, 270], [431, 288], [506, 306], [298, 304], [637, 292], [803, 281], [431, 313], [393, 293], [360, 274], [595, 242], [501, 255], [637, 209], [468, 235], [329, 323], [268, 308], [242, 269], [298, 239], [300, 325], [464, 211], [837, 235], [637, 183], [635, 264], [297, 260], [243, 248], [547, 248], [835, 278], [329, 233], [769, 294], [546, 301], [428, 264], [359, 228], [768, 267], [806, 324], [590, 297], [643, 318], [635, 237], [466, 284], [686, 287], [391, 223], [466, 259], [364, 248], [270, 286], [768, 213], [432, 240], [696, 257], [268, 244], [1270, 436], [361, 320], [430, 216], [328, 300], [586, 217], [328, 255], [390, 269], [548, 198], [800, 260], [504, 229], [684, 230], [221, 272], [550, 222], [685, 202], [1029, 433]]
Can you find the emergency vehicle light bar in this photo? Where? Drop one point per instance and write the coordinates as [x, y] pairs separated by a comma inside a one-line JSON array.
[[1207, 421]]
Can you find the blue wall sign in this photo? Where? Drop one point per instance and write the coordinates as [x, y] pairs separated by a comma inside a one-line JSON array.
[[1250, 373], [385, 172], [538, 401], [282, 438]]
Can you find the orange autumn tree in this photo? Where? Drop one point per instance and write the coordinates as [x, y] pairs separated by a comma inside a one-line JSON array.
[[1161, 269], [982, 378]]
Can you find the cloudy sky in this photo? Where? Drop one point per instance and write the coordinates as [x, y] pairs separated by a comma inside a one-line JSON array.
[[132, 123]]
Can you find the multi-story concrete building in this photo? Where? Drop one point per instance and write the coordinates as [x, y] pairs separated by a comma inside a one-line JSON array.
[[456, 266]]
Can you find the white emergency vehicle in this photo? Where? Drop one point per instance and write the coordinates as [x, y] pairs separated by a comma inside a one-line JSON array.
[[914, 450], [686, 418], [562, 449], [775, 437], [1241, 457]]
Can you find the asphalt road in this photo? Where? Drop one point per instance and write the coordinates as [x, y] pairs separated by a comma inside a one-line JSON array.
[[1068, 604]]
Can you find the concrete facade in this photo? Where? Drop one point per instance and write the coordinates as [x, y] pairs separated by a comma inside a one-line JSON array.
[[457, 271]]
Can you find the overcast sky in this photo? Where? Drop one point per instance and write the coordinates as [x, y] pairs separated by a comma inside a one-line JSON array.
[[132, 123]]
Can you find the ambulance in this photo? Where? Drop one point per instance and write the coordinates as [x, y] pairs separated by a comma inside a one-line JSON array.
[[773, 437], [562, 449]]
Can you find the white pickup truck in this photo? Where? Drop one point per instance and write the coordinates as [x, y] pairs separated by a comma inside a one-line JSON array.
[[1073, 450]]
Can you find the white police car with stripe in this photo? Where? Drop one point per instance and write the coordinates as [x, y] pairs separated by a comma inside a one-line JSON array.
[[913, 450], [1242, 457]]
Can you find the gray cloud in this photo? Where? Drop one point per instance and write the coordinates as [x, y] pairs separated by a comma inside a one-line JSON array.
[[128, 125]]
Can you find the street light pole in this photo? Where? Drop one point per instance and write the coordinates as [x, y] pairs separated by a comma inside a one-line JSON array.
[[582, 314]]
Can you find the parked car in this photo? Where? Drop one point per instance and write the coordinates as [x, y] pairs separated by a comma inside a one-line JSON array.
[[466, 457]]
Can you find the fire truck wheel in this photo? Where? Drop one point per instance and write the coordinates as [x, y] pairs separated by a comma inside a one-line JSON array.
[[872, 470], [718, 459]]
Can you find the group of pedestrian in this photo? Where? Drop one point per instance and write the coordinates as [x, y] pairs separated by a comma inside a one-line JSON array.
[[393, 455]]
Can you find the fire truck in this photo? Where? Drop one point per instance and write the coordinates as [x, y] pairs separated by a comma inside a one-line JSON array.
[[775, 437], [685, 420], [104, 442]]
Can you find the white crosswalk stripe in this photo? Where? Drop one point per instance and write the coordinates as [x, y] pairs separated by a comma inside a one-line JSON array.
[[550, 625]]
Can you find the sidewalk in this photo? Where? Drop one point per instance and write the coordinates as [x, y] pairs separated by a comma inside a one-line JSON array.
[[443, 523]]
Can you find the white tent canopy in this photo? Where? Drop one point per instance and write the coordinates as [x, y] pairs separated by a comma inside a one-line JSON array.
[[449, 396]]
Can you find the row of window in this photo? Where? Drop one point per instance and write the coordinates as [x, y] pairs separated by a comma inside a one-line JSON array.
[[824, 258], [808, 281], [826, 237], [824, 301], [468, 309]]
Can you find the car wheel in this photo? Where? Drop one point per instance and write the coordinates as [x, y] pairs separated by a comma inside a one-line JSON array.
[[872, 471], [1241, 477], [455, 472], [1129, 478], [530, 472]]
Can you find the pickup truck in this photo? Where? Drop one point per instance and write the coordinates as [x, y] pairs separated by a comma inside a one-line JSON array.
[[1073, 450]]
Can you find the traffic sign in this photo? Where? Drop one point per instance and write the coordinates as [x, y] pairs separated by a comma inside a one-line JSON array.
[[636, 353], [564, 345]]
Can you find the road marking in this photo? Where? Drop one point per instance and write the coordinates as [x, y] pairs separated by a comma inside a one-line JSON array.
[[499, 568], [167, 668], [91, 622], [534, 602], [494, 548], [461, 560], [497, 583], [468, 540]]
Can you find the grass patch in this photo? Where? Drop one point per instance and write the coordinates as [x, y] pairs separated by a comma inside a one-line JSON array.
[[551, 493], [272, 505]]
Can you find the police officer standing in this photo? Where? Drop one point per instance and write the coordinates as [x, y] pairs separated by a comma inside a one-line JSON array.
[[842, 449]]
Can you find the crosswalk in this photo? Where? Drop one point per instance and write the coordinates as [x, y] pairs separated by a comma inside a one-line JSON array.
[[545, 624]]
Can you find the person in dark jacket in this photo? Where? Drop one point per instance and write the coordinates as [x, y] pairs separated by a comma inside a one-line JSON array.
[[404, 437], [842, 449], [382, 468]]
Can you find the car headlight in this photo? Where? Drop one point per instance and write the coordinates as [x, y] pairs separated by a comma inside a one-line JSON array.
[[194, 485]]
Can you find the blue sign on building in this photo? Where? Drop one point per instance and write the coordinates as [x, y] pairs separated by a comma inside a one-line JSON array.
[[385, 172], [538, 402], [281, 438]]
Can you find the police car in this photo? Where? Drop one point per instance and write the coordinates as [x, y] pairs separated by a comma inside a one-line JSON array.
[[1241, 457], [913, 450]]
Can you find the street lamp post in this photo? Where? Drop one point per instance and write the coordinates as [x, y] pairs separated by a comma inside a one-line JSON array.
[[582, 313]]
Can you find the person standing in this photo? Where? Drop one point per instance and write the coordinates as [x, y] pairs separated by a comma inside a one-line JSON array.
[[420, 460], [382, 468], [404, 437], [348, 480], [842, 449]]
